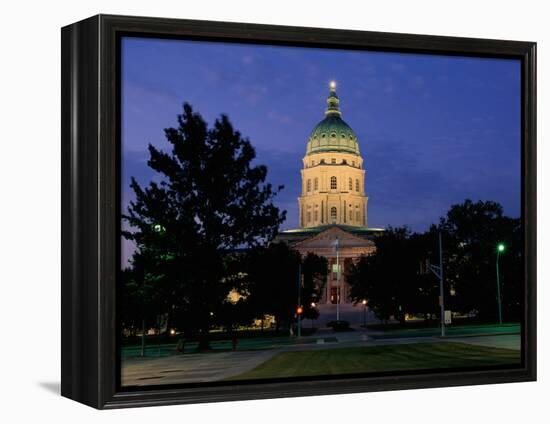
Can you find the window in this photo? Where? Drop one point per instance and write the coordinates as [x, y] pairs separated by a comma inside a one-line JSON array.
[[351, 215], [333, 183], [308, 185], [333, 215], [353, 163], [316, 215], [333, 161], [312, 163], [358, 216], [356, 185], [316, 184], [309, 217], [350, 184]]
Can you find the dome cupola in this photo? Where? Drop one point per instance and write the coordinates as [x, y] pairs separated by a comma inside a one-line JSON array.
[[332, 134]]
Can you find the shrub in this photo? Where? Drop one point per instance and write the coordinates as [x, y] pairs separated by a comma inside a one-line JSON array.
[[339, 325]]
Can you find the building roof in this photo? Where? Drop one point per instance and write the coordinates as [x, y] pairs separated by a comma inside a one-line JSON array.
[[299, 234], [332, 134]]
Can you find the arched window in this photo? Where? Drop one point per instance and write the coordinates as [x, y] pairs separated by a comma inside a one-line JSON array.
[[308, 185], [356, 185], [316, 215], [316, 184], [351, 215], [333, 183], [358, 216], [333, 215], [350, 184], [309, 217]]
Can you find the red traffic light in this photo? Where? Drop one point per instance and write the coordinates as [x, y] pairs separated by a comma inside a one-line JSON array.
[[299, 310]]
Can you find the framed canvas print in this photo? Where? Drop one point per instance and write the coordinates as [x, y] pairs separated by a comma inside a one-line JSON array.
[[256, 211]]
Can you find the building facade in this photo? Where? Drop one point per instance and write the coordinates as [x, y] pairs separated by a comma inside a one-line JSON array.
[[333, 204]]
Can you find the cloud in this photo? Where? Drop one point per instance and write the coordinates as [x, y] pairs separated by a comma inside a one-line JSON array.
[[279, 118]]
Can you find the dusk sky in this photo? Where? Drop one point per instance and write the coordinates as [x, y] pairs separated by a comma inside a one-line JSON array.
[[432, 130]]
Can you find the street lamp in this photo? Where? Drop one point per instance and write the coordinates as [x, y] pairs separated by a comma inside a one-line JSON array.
[[501, 247], [364, 302], [158, 228]]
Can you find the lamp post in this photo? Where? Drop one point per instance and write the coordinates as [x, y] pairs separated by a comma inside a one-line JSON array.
[[299, 309], [364, 313], [500, 249], [438, 271], [337, 245]]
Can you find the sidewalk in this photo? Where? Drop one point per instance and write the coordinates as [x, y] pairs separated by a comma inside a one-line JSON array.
[[214, 366]]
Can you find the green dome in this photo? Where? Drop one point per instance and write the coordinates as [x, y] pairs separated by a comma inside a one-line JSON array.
[[332, 134]]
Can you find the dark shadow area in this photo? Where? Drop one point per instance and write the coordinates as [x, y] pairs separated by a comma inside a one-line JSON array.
[[51, 386]]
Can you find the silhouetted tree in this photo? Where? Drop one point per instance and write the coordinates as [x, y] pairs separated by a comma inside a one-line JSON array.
[[273, 279], [385, 279], [315, 270], [142, 294], [396, 278], [210, 200], [273, 282], [472, 231]]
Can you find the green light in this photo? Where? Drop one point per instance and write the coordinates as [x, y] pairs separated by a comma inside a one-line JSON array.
[[501, 247], [159, 228]]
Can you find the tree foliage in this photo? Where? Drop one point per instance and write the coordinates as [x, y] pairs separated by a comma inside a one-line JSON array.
[[391, 279], [472, 232], [210, 200], [397, 279], [273, 276]]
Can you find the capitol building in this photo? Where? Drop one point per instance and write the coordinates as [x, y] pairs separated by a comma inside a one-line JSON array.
[[333, 205]]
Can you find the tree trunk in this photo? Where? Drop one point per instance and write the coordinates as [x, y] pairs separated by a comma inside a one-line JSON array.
[[204, 340], [143, 337]]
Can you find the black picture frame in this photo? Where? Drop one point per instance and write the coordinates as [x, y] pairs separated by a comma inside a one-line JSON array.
[[91, 217]]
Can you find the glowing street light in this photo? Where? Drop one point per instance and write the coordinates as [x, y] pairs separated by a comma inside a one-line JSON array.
[[158, 228], [364, 302], [501, 247], [333, 85]]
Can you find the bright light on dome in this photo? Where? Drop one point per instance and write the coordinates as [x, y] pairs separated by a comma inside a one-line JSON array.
[[333, 85]]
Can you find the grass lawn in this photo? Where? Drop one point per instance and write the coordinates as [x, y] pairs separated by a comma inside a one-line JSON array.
[[169, 349], [381, 359], [458, 331]]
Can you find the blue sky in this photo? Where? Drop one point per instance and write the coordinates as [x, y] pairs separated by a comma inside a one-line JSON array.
[[433, 130]]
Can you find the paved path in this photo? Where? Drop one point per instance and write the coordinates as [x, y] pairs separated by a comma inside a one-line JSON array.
[[191, 368], [205, 367], [505, 341]]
